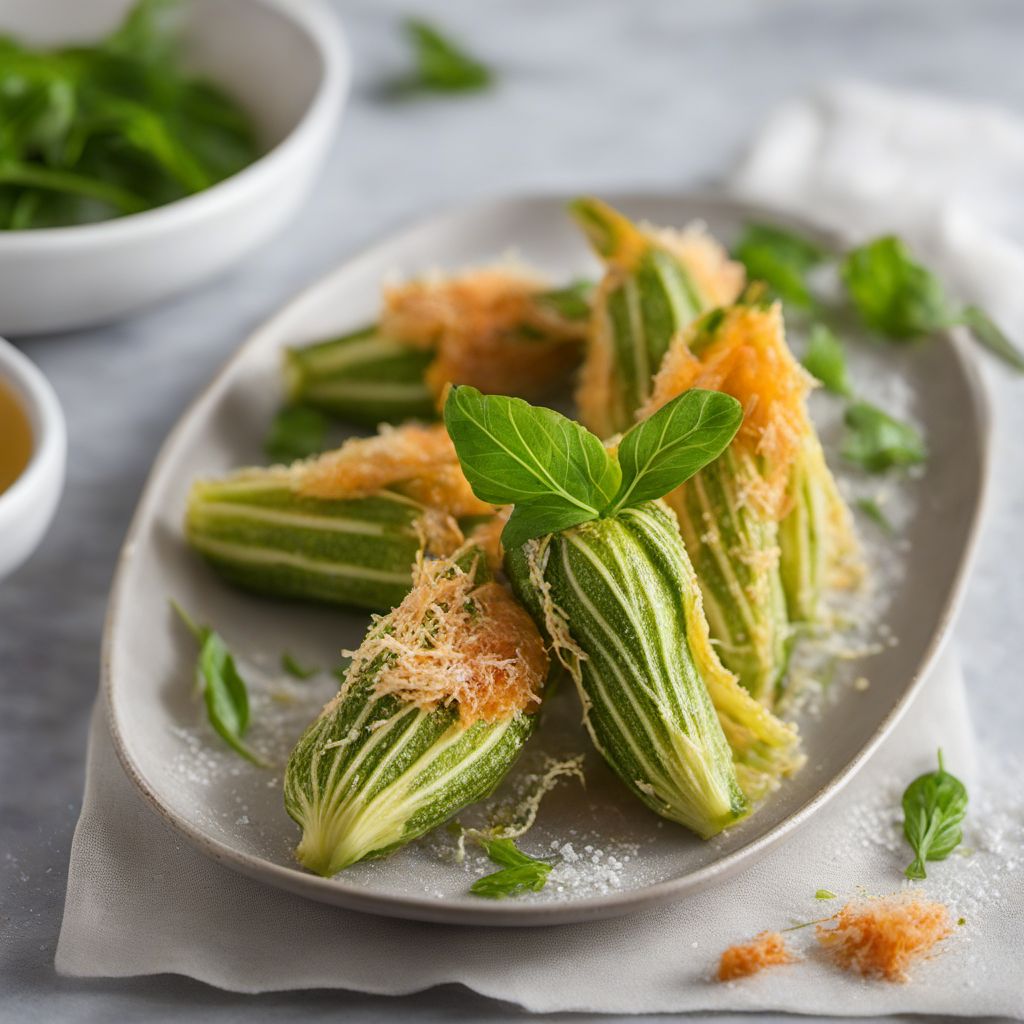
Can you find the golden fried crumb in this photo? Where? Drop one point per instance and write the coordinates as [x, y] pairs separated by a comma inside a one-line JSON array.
[[884, 936], [454, 641], [747, 358], [416, 460], [765, 950], [487, 329]]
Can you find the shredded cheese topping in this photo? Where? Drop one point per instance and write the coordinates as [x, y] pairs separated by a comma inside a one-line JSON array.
[[454, 641], [883, 937], [765, 950], [748, 358], [486, 328], [416, 460]]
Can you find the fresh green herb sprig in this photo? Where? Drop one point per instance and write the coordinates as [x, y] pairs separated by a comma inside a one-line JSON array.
[[877, 441], [825, 360], [223, 689], [520, 873], [781, 259], [873, 510], [934, 806], [904, 300], [441, 65], [93, 132], [297, 432], [557, 474]]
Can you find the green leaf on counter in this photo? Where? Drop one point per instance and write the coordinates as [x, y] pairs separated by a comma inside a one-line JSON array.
[[825, 894], [825, 360], [988, 334], [876, 441], [934, 806], [442, 65], [296, 432]]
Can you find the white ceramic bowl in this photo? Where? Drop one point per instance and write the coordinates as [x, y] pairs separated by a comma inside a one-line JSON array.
[[285, 61], [28, 505]]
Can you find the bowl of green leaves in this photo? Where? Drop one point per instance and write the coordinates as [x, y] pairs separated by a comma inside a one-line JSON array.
[[146, 146]]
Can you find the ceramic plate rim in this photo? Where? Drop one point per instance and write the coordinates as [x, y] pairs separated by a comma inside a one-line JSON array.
[[508, 913]]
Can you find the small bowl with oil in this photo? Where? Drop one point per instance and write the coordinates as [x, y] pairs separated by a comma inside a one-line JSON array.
[[33, 451]]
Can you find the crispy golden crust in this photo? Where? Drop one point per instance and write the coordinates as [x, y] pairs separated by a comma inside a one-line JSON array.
[[456, 642], [487, 330], [415, 460], [748, 358]]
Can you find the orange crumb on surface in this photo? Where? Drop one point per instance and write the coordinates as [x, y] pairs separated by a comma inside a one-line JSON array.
[[765, 950], [883, 937], [487, 330]]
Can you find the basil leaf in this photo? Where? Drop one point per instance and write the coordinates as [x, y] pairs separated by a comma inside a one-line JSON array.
[[825, 894], [826, 360], [781, 260], [441, 65], [988, 334], [934, 806], [223, 689], [293, 668], [571, 302], [877, 442], [873, 511], [539, 517], [296, 433], [513, 453], [520, 874], [894, 295], [682, 437]]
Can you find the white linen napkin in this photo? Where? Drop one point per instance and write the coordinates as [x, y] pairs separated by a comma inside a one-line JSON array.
[[141, 900]]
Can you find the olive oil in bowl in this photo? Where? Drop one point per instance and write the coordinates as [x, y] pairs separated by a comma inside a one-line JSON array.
[[15, 436]]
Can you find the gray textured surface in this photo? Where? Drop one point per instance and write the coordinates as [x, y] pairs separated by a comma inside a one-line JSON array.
[[593, 93]]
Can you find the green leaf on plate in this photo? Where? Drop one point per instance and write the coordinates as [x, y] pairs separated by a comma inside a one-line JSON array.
[[894, 295], [871, 508], [223, 689], [520, 872], [667, 448], [781, 260], [877, 442], [295, 669], [825, 360], [296, 433]]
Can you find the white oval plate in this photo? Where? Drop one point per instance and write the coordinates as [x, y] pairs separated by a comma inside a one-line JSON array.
[[234, 812]]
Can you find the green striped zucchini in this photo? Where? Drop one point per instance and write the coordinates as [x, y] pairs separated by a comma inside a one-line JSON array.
[[815, 536], [648, 294], [618, 597], [735, 551], [257, 533], [376, 770], [363, 377]]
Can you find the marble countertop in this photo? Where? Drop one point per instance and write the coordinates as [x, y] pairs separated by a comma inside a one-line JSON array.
[[593, 94]]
